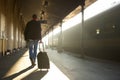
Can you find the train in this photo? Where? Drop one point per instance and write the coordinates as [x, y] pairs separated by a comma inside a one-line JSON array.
[[98, 38]]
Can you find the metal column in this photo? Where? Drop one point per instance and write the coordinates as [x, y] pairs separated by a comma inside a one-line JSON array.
[[82, 4]]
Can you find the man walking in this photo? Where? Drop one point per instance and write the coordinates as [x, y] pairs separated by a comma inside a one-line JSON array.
[[32, 35]]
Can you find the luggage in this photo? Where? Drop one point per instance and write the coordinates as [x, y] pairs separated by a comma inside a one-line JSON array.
[[43, 59]]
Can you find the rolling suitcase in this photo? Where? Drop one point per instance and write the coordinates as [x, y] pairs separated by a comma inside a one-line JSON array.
[[43, 59]]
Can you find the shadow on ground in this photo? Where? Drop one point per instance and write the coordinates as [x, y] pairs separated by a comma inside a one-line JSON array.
[[6, 62], [36, 75]]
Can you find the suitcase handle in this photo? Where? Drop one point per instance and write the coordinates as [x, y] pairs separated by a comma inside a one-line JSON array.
[[42, 46]]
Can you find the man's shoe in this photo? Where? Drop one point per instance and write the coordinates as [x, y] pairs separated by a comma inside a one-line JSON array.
[[33, 65]]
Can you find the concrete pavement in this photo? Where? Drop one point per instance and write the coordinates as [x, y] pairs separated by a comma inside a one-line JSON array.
[[63, 66]]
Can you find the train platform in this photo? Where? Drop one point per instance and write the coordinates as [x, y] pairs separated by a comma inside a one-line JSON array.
[[63, 66]]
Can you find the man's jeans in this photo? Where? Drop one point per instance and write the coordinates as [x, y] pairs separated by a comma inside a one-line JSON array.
[[33, 44]]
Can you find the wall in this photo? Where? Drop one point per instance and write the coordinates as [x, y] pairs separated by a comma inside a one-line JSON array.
[[11, 26]]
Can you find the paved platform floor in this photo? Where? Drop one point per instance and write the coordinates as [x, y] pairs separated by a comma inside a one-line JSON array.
[[63, 66]]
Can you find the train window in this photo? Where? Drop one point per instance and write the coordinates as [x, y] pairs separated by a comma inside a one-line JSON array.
[[113, 26], [97, 31]]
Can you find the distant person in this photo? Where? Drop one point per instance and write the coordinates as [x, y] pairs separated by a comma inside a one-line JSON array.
[[32, 34]]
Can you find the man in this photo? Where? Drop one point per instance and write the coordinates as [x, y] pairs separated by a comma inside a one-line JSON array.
[[32, 35]]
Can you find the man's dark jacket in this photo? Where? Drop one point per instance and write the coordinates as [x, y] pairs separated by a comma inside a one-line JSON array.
[[33, 30]]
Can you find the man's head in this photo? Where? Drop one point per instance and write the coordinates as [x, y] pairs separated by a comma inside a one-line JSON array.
[[34, 16]]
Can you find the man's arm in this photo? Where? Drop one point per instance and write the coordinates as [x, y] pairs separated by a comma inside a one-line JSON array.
[[25, 31], [43, 21]]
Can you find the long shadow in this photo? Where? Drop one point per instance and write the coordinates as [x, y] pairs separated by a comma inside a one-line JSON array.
[[6, 62], [17, 74], [36, 75]]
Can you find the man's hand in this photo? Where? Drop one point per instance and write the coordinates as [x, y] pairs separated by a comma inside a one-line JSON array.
[[40, 41]]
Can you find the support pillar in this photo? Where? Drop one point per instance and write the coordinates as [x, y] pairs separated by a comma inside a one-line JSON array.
[[60, 49], [82, 4]]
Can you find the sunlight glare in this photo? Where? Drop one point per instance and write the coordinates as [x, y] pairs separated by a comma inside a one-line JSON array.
[[55, 74], [94, 9]]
